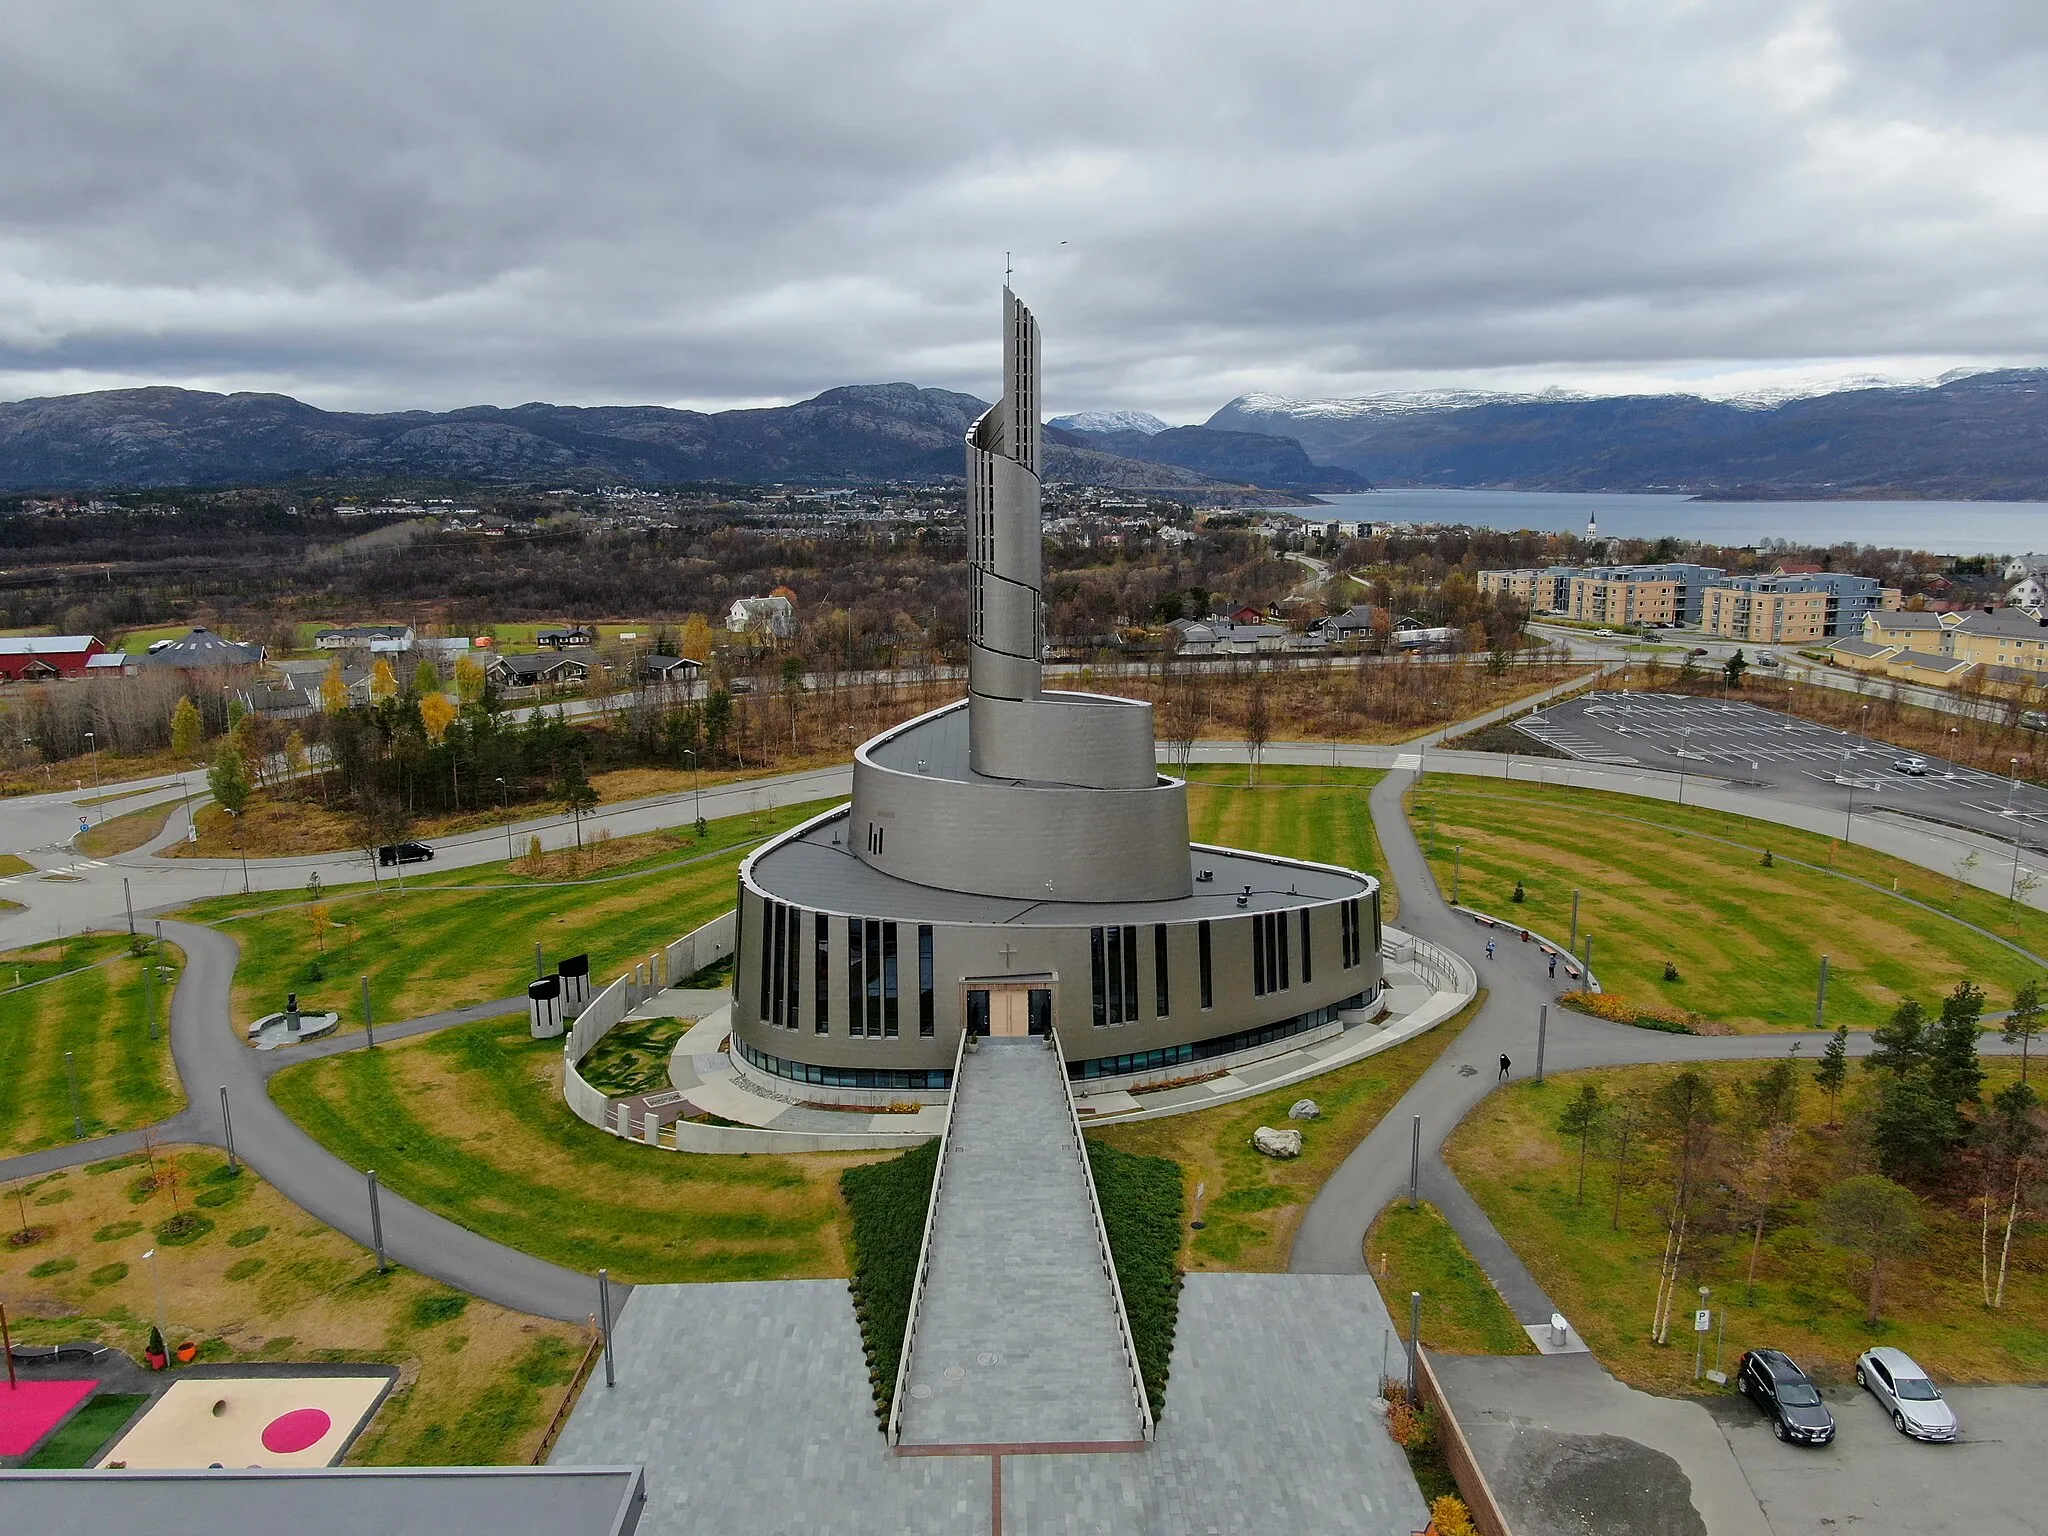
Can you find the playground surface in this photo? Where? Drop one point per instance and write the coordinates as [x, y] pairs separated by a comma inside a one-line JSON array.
[[250, 1421], [31, 1409]]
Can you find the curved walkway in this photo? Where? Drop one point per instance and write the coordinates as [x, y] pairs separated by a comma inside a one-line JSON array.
[[1331, 1238], [209, 1057]]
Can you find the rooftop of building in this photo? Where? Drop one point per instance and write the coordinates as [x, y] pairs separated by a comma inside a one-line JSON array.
[[815, 868]]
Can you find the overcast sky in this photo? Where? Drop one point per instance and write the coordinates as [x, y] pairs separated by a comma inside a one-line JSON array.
[[373, 204]]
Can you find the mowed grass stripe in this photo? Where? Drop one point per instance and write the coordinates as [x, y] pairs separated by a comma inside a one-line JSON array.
[[432, 948], [1298, 811], [470, 1123], [1746, 940], [125, 1079]]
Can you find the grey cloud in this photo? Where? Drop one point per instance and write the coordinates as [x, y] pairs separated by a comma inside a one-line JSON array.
[[382, 205]]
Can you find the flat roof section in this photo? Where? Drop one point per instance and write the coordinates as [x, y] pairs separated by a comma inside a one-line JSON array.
[[813, 871], [340, 1501]]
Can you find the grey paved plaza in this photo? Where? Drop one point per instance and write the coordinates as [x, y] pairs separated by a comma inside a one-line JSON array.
[[749, 1406], [1017, 1336]]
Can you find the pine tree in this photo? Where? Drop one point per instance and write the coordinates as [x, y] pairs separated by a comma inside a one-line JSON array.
[[1581, 1117], [2023, 1023], [186, 728], [1833, 1070], [1955, 1075]]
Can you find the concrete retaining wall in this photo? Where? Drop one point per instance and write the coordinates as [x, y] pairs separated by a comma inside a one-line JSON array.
[[1472, 1485]]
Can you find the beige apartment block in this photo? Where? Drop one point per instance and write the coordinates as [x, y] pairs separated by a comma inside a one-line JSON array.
[[1765, 618], [1599, 600]]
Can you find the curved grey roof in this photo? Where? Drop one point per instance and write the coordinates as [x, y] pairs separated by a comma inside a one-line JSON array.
[[203, 648]]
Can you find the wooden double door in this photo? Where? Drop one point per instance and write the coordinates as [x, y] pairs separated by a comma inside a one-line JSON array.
[[1013, 1010]]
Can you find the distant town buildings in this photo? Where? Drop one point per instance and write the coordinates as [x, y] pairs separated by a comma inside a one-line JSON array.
[[1787, 606], [2006, 645], [387, 639], [1791, 609]]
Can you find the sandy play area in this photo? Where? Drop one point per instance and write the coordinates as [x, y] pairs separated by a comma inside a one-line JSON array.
[[250, 1421]]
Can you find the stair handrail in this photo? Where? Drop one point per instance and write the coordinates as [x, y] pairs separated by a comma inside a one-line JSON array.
[[1116, 1289], [924, 1250]]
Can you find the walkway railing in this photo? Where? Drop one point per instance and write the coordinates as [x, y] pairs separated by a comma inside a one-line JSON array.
[[924, 1252], [1116, 1290], [1432, 962]]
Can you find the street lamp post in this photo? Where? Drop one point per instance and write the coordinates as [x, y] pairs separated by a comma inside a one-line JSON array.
[[2012, 789], [505, 812], [697, 788], [99, 805], [157, 1284], [241, 848], [1849, 818]]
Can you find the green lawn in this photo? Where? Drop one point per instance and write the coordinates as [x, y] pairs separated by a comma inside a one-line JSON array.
[[1296, 810], [256, 1281], [80, 1438], [1417, 1250], [1251, 1204], [467, 936], [94, 1012], [470, 1122], [1809, 1297], [633, 1058], [1663, 883], [886, 1202]]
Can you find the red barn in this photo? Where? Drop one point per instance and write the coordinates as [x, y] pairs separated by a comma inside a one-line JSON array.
[[31, 658]]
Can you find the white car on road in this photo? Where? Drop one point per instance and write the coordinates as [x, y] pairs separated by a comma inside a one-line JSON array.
[[1902, 1388], [1915, 766]]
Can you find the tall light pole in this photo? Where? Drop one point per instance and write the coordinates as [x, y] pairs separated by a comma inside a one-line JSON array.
[[99, 804], [505, 812], [2012, 789], [156, 1283], [1684, 751], [1849, 819], [697, 777], [241, 848]]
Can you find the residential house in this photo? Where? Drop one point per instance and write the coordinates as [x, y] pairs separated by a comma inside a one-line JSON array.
[[575, 637], [536, 671], [2009, 645], [671, 671], [772, 618], [1354, 626], [34, 658], [388, 639]]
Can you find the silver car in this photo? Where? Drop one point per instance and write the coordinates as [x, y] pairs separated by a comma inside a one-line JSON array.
[[1902, 1388]]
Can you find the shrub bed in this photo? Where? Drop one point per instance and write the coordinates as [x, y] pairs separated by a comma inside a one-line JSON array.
[[1617, 1009], [887, 1202], [1141, 1210]]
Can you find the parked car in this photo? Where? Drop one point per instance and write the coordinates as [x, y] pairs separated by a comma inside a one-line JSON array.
[[2033, 720], [1787, 1396], [1698, 650], [1916, 766], [1902, 1388], [740, 685], [1767, 658], [404, 853], [1607, 632]]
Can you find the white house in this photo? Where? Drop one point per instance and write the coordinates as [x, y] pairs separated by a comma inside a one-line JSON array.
[[774, 617]]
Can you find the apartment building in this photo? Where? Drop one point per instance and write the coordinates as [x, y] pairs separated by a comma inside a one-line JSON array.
[[2008, 645], [1791, 609], [1547, 590]]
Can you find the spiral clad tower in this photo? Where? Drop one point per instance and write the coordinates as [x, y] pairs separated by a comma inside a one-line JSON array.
[[1012, 849]]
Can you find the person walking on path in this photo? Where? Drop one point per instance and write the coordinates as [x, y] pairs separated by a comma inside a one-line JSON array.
[[1553, 965], [1489, 949], [1504, 1065]]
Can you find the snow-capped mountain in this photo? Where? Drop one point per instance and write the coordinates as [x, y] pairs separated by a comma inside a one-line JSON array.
[[1111, 421]]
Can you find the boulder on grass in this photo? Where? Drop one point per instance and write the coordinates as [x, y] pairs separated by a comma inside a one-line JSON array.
[[1277, 1143], [1304, 1109]]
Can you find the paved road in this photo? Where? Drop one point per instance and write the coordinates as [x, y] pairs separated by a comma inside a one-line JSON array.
[[208, 1057]]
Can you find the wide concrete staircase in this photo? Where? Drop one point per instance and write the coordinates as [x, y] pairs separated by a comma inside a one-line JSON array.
[[1017, 1335]]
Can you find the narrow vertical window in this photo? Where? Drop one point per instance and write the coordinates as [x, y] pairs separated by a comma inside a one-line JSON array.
[[1202, 954], [767, 958], [1258, 954], [925, 1023], [793, 1013], [1280, 946], [1376, 935], [1097, 980], [821, 973], [874, 970], [1130, 1013], [856, 1020], [889, 1006], [1159, 987], [1113, 938], [1307, 964]]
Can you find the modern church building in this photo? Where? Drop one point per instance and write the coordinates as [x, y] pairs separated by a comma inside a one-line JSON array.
[[1016, 863]]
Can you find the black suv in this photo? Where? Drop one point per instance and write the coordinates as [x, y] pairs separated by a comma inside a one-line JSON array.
[[404, 853], [1787, 1396]]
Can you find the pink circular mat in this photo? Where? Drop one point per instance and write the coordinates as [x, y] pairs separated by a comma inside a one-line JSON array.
[[296, 1430]]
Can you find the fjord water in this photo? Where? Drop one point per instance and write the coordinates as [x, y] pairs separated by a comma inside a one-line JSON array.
[[1944, 527]]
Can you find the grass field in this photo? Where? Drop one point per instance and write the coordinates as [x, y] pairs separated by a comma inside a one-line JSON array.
[[94, 1012], [1252, 1204], [633, 1058], [261, 1281], [1416, 1250], [128, 831], [470, 1122], [1809, 1295], [14, 864], [467, 936], [80, 1439], [1297, 811], [1664, 883]]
